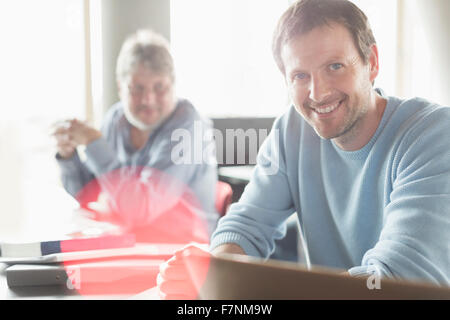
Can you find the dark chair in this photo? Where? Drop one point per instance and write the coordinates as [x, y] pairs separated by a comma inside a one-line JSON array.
[[235, 148], [237, 144]]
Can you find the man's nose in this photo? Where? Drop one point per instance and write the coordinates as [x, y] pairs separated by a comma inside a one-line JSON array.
[[318, 89], [148, 97]]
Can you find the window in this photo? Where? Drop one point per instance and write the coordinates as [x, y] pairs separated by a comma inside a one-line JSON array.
[[42, 81], [222, 52], [382, 15]]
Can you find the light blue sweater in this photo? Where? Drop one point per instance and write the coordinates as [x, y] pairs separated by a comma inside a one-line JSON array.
[[385, 207]]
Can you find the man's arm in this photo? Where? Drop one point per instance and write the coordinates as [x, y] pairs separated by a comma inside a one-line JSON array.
[[414, 241], [74, 174], [257, 220]]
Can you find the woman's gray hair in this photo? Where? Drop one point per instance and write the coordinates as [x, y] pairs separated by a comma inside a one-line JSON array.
[[144, 48]]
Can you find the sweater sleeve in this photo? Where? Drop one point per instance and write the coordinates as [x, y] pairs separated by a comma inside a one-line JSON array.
[[74, 174], [415, 239], [257, 219]]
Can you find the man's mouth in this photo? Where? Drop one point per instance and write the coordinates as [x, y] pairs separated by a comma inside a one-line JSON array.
[[327, 108], [147, 110]]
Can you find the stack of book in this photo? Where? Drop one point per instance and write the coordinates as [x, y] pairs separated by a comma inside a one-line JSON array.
[[108, 263]]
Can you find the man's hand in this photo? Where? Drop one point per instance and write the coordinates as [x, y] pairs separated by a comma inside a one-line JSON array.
[[228, 248], [82, 133], [174, 280], [70, 134], [65, 145]]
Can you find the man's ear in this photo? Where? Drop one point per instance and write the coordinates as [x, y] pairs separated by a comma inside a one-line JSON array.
[[118, 87], [121, 90], [373, 62]]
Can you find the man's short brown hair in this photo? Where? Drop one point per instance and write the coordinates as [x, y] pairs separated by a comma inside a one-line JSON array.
[[305, 15]]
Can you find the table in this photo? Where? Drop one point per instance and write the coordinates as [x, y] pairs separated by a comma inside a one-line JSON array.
[[50, 216]]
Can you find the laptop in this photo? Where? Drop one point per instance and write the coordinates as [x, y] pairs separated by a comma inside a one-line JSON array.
[[238, 277]]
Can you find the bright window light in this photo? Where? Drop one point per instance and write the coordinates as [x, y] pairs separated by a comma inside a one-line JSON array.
[[42, 81], [222, 52], [382, 15]]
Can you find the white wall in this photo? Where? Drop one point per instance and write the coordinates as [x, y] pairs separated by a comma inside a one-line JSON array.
[[120, 18]]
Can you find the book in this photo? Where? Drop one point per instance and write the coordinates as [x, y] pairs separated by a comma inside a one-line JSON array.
[[142, 250], [44, 248]]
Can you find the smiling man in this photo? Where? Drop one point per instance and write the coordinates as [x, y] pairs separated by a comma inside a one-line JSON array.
[[330, 85], [129, 159], [367, 174]]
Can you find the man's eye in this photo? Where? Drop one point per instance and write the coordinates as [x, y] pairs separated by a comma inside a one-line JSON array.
[[135, 90], [158, 87], [300, 76], [336, 66]]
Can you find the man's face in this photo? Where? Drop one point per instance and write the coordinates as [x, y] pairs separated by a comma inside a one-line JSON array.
[[328, 81], [149, 98]]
